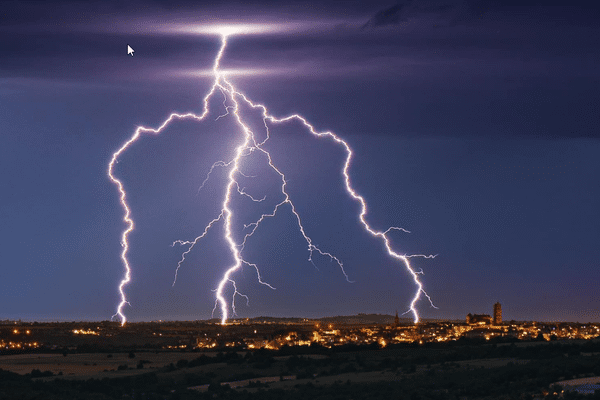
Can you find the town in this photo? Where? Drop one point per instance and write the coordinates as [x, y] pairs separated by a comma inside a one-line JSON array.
[[274, 333]]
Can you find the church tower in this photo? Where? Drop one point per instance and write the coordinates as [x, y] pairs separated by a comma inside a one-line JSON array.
[[497, 314]]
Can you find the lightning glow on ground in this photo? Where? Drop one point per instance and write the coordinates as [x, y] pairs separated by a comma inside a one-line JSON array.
[[249, 145]]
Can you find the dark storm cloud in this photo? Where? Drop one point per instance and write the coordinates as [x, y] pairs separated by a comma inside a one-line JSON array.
[[82, 41], [61, 14], [437, 12], [523, 69], [389, 16]]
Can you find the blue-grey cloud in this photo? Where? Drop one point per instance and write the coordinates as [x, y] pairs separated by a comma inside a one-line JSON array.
[[388, 16], [433, 13]]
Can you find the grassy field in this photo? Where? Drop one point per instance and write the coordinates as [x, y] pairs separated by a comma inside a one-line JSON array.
[[101, 365], [95, 365]]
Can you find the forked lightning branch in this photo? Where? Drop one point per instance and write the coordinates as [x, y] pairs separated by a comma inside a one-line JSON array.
[[249, 142]]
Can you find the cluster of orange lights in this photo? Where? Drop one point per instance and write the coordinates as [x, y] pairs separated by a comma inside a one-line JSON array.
[[84, 332], [19, 345]]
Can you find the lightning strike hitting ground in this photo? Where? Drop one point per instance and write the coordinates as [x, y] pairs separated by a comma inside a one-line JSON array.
[[249, 145]]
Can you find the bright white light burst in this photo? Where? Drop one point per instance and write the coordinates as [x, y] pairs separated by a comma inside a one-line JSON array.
[[225, 30]]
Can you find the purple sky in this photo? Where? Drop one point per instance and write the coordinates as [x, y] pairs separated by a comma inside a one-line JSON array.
[[475, 126]]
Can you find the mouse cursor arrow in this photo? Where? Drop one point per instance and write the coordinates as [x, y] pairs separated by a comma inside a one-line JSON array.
[[130, 50]]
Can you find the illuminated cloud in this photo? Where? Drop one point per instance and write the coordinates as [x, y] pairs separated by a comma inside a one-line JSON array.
[[208, 73], [233, 28], [229, 26]]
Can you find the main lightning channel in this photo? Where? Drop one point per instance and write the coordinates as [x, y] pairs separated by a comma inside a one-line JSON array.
[[249, 145]]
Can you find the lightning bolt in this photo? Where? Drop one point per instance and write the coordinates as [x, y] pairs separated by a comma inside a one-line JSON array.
[[248, 146]]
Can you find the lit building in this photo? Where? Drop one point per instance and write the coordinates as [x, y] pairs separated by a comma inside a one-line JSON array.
[[479, 319], [497, 314]]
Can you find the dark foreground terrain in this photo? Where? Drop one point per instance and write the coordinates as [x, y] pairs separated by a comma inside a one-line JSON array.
[[464, 369]]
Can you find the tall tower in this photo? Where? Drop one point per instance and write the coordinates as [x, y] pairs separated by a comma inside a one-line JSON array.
[[497, 314]]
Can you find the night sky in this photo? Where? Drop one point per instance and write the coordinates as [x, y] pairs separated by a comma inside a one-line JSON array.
[[475, 126]]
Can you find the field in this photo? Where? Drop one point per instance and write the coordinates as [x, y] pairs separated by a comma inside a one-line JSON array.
[[103, 365], [95, 365]]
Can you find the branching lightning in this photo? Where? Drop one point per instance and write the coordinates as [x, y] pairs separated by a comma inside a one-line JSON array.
[[250, 144]]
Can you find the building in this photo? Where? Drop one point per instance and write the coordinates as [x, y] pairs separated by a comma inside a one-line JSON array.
[[479, 319], [497, 314]]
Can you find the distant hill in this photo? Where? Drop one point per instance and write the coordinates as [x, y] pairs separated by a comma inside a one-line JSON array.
[[369, 319], [363, 319]]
